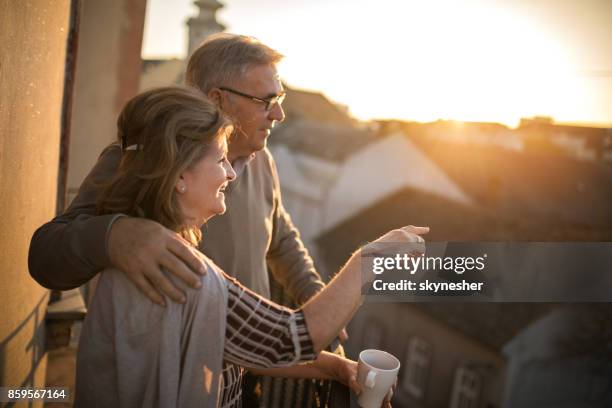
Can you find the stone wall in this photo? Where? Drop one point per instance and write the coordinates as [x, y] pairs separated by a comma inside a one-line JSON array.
[[33, 47]]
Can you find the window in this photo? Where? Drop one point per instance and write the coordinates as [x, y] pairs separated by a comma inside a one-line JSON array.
[[466, 388], [418, 358]]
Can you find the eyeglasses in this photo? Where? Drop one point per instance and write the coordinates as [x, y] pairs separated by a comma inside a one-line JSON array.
[[268, 102]]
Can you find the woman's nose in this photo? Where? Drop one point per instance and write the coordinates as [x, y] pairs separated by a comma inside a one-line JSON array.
[[231, 174]]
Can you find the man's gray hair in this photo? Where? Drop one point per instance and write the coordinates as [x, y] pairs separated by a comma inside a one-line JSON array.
[[223, 58]]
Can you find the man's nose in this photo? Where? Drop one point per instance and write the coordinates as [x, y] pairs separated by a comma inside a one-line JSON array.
[[277, 113]]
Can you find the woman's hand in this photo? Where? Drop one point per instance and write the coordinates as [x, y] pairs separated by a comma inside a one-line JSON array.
[[387, 401], [401, 242], [344, 371], [397, 237]]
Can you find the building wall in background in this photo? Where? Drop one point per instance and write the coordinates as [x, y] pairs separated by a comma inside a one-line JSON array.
[[391, 327], [107, 75], [33, 45]]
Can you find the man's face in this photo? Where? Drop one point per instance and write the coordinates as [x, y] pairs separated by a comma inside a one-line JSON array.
[[253, 122]]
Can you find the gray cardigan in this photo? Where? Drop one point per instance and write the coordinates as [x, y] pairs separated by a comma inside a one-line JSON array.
[[134, 353]]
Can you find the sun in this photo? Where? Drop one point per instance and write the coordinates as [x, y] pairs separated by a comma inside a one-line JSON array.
[[478, 63]]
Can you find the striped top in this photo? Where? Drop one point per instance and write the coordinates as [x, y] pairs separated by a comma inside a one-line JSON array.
[[259, 334]]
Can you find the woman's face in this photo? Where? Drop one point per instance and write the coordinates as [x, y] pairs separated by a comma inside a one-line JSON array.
[[200, 188]]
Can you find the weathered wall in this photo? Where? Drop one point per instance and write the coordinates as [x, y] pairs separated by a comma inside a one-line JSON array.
[[107, 74], [32, 59]]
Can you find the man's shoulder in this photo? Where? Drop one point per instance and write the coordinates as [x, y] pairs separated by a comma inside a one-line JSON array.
[[259, 175], [112, 150], [264, 163], [109, 159], [264, 157]]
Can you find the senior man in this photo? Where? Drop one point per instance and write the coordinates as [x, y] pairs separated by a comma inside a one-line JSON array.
[[239, 74]]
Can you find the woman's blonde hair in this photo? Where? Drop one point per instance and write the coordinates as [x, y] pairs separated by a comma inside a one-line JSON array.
[[163, 132]]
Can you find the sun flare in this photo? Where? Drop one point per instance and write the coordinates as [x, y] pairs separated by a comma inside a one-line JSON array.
[[469, 63]]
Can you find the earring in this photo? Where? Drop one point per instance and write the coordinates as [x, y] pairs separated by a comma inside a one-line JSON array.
[[182, 189]]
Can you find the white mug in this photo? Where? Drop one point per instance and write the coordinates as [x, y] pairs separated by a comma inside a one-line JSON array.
[[376, 373]]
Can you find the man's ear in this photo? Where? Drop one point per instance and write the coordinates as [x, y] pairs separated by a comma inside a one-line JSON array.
[[215, 96]]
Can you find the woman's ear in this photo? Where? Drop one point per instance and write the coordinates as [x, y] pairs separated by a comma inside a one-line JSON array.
[[180, 186]]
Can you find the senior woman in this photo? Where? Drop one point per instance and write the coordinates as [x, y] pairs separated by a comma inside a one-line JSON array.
[[132, 352]]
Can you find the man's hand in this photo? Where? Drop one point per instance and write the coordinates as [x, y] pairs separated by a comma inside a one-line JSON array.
[[141, 248]]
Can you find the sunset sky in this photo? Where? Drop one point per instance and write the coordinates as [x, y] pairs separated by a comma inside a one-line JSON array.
[[476, 60]]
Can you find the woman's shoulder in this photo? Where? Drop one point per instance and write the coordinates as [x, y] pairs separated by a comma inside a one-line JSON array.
[[211, 266], [214, 274], [113, 282], [227, 280]]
